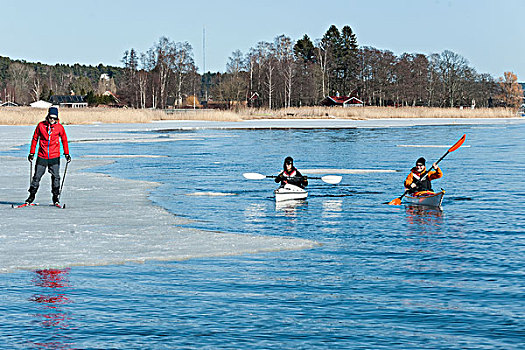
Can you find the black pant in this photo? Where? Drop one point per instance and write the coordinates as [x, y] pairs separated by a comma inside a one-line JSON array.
[[40, 168]]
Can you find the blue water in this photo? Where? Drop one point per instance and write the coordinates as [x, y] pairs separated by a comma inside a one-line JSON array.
[[385, 277]]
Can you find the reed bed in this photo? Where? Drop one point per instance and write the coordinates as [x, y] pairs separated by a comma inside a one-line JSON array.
[[363, 113], [204, 114], [31, 116]]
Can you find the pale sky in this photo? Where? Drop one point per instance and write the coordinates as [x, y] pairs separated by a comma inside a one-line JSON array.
[[490, 34]]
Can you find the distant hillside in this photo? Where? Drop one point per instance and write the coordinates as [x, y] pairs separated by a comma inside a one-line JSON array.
[[24, 82]]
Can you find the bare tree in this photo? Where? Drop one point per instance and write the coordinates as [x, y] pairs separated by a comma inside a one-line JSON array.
[[266, 66], [452, 68], [165, 52], [233, 86], [284, 54], [149, 64], [182, 64], [322, 54], [21, 77], [411, 75], [256, 70], [37, 88]]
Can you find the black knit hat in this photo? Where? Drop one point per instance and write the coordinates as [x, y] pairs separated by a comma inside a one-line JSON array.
[[421, 160], [52, 112]]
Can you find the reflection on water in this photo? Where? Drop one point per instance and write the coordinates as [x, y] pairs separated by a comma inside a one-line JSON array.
[[255, 212], [425, 218], [332, 214], [291, 208], [332, 208], [50, 304]]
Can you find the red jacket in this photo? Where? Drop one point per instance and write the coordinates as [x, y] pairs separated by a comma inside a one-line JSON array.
[[50, 136]]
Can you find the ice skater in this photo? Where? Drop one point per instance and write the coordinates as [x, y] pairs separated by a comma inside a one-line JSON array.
[[48, 134]]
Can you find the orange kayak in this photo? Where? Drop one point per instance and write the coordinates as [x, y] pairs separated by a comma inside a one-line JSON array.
[[427, 198]]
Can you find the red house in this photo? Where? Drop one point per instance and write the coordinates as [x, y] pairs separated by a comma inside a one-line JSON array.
[[344, 101]]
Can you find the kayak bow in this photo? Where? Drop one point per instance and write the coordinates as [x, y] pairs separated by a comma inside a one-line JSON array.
[[290, 192], [426, 198]]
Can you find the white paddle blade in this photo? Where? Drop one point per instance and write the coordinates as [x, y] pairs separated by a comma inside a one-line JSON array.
[[332, 179], [254, 176]]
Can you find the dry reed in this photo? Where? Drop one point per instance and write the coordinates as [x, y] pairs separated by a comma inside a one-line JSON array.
[[31, 116], [362, 113]]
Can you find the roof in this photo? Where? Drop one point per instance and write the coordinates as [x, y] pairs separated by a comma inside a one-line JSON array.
[[40, 104], [58, 99], [344, 99], [8, 104]]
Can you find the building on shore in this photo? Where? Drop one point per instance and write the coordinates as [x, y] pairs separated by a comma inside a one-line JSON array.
[[68, 101], [343, 101], [9, 104], [41, 104]]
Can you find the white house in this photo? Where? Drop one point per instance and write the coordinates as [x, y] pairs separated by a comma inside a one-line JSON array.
[[40, 104]]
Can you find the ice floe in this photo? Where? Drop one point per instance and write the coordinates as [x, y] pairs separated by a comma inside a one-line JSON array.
[[210, 194], [429, 146], [107, 220], [346, 171]]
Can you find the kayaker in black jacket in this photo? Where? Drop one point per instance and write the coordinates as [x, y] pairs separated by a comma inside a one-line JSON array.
[[413, 181], [291, 175]]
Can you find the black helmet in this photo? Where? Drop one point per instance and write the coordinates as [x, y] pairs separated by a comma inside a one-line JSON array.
[[421, 160], [288, 160]]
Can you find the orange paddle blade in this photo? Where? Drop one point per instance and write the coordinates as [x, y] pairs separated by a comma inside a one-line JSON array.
[[396, 201], [458, 144]]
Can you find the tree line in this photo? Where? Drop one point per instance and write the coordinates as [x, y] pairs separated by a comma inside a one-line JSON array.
[[25, 82], [276, 74]]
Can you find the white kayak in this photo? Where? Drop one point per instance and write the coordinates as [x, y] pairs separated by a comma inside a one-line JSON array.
[[427, 198], [290, 192]]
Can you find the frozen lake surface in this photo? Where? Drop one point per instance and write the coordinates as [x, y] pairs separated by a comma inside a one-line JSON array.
[[341, 270]]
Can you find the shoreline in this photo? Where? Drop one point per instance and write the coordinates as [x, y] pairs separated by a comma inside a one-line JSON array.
[[90, 115]]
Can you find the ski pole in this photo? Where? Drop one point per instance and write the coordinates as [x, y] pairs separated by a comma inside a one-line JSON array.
[[30, 172], [63, 179]]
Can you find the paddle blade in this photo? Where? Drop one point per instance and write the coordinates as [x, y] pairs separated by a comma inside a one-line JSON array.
[[254, 176], [458, 144], [332, 179], [396, 201]]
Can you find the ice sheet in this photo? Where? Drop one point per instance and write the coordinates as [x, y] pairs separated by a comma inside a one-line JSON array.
[[106, 221], [430, 146], [346, 171]]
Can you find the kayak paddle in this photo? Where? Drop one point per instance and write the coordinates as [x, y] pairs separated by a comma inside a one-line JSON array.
[[458, 144], [331, 179]]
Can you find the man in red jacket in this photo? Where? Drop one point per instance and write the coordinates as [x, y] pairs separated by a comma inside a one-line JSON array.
[[50, 132]]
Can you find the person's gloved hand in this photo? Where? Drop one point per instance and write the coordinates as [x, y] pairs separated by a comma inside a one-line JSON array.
[[68, 157], [30, 157]]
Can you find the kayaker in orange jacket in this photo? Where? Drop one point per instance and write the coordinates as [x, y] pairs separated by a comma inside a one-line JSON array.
[[413, 181], [291, 175], [48, 135]]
